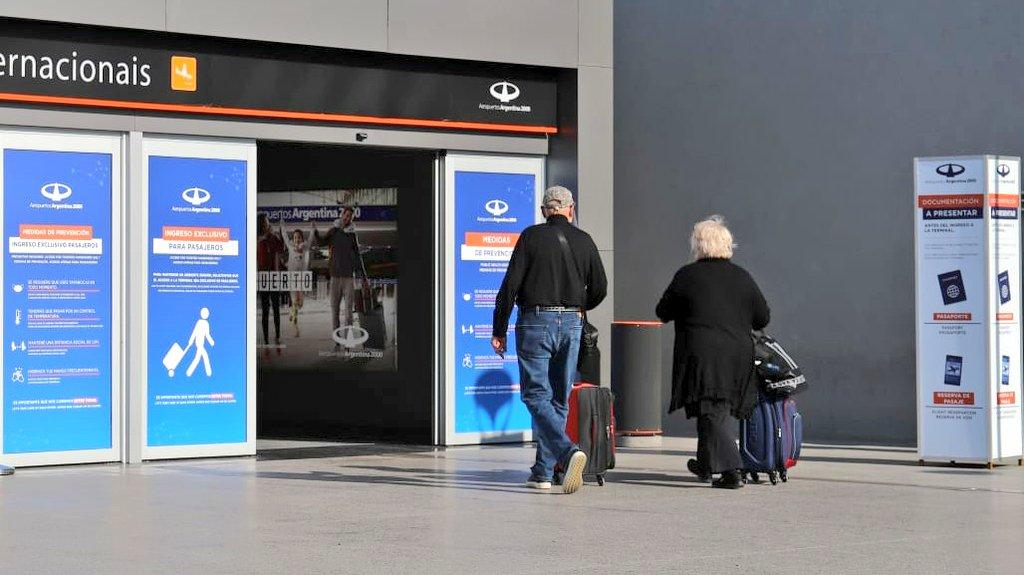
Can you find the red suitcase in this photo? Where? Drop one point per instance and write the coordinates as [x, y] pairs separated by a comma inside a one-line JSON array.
[[591, 425]]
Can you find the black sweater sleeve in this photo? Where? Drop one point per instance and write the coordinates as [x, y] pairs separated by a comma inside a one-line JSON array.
[[762, 314], [510, 287], [668, 307], [597, 283]]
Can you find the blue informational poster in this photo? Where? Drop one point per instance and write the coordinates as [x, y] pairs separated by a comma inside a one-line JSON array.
[[491, 209], [57, 306], [197, 301]]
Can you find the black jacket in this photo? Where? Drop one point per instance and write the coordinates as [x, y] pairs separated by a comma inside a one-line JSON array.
[[344, 247], [538, 273], [715, 303]]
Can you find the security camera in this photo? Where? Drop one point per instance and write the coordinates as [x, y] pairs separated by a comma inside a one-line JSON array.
[[361, 136]]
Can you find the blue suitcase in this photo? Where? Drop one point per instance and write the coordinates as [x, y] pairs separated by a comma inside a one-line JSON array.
[[770, 438]]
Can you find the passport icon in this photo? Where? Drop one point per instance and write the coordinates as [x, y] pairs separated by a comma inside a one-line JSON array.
[[951, 284], [954, 367], [1004, 287]]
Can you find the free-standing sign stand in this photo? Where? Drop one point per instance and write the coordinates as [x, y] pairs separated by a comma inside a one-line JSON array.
[[968, 272]]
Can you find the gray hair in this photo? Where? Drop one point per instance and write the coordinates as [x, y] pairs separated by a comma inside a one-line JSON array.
[[711, 239]]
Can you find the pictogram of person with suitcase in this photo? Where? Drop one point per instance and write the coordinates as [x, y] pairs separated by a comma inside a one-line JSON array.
[[201, 335]]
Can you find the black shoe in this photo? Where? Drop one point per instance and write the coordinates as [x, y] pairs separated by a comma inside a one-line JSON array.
[[729, 480], [697, 470]]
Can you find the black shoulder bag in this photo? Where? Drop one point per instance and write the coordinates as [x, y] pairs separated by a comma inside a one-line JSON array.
[[589, 362]]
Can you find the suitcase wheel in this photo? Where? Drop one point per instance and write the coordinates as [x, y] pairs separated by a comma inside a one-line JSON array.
[[773, 477], [784, 476], [600, 480], [754, 477]]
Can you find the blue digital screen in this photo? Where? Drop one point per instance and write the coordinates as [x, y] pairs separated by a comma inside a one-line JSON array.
[[491, 209], [197, 301], [57, 303]]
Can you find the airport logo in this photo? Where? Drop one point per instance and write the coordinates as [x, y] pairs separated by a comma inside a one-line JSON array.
[[497, 210], [1003, 170], [496, 207], [56, 192], [196, 196], [505, 92], [951, 173], [350, 336], [184, 74], [950, 170]]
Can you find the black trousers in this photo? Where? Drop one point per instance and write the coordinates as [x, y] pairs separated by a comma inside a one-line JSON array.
[[716, 437], [268, 299]]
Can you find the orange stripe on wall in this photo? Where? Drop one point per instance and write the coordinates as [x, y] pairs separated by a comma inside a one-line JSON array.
[[276, 114]]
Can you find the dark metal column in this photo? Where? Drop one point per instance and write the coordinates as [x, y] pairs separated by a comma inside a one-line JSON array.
[[636, 381]]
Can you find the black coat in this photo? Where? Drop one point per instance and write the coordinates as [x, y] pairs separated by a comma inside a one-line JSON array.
[[715, 303]]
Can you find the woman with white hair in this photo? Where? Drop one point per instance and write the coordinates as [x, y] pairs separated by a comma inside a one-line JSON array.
[[714, 304]]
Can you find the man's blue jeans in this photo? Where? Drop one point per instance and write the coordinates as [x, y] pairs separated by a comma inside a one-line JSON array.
[[548, 346]]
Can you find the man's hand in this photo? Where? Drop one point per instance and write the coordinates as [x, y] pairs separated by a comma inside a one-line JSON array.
[[500, 346]]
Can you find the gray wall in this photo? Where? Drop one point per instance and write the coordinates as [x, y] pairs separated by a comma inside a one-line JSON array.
[[560, 33], [799, 121]]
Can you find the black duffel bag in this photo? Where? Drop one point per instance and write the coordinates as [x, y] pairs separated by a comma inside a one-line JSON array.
[[777, 373]]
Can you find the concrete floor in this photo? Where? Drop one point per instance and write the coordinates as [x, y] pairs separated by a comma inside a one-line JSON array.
[[370, 509]]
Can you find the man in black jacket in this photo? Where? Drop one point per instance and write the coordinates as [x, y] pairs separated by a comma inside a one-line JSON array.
[[555, 274], [343, 265]]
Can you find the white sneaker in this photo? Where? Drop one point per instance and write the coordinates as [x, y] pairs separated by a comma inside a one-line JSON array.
[[574, 472], [538, 483]]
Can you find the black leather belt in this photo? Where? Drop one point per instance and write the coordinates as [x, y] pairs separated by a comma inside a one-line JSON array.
[[557, 308]]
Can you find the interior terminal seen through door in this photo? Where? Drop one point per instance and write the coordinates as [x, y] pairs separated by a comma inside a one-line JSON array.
[[345, 336]]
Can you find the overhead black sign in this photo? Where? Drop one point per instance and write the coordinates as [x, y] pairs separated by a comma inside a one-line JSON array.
[[55, 65]]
